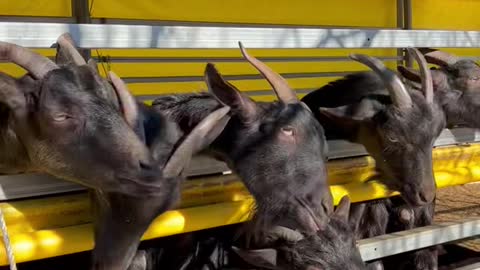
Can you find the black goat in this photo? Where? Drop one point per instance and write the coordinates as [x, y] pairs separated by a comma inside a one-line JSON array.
[[331, 247], [277, 148], [65, 120], [398, 128], [456, 83]]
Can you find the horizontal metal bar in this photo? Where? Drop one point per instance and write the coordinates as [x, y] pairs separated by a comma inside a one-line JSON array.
[[475, 266], [221, 24], [147, 59], [42, 35], [232, 77], [399, 242]]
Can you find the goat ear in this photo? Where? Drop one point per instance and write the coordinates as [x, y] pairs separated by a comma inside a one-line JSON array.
[[356, 214], [200, 137], [228, 94], [93, 65], [342, 211], [410, 73], [347, 126], [12, 95], [263, 258], [438, 77]]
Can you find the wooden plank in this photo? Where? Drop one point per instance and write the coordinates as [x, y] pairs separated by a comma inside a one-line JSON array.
[[378, 13], [40, 8]]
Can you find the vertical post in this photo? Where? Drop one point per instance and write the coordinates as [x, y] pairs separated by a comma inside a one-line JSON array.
[[400, 25], [407, 25], [81, 13]]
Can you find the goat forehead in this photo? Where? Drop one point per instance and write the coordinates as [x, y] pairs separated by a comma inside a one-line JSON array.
[[424, 121], [463, 69], [292, 114]]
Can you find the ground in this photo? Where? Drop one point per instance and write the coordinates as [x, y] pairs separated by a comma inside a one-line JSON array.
[[454, 204]]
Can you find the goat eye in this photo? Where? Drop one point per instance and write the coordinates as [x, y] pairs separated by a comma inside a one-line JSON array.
[[289, 131], [60, 117], [474, 78]]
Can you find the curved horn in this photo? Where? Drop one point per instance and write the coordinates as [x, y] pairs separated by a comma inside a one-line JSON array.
[[438, 57], [66, 42], [317, 223], [127, 101], [34, 63], [203, 134], [398, 93], [426, 75], [343, 209], [279, 84]]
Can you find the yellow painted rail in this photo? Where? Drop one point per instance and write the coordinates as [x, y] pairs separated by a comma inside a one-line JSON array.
[[53, 226]]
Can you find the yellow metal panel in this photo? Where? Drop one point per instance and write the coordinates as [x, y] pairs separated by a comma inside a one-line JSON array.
[[270, 98], [244, 85], [175, 69], [378, 13], [47, 8], [12, 69], [17, 71], [61, 211], [169, 69], [49, 243], [446, 14], [463, 51], [452, 165], [235, 53]]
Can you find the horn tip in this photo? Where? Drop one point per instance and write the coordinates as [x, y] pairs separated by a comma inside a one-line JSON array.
[[112, 75], [210, 67], [345, 199], [242, 49], [354, 56], [64, 37]]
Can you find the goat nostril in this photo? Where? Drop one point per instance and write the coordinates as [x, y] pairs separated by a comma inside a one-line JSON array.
[[326, 208], [423, 198]]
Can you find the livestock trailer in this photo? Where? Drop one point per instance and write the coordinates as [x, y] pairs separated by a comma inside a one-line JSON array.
[[161, 47]]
